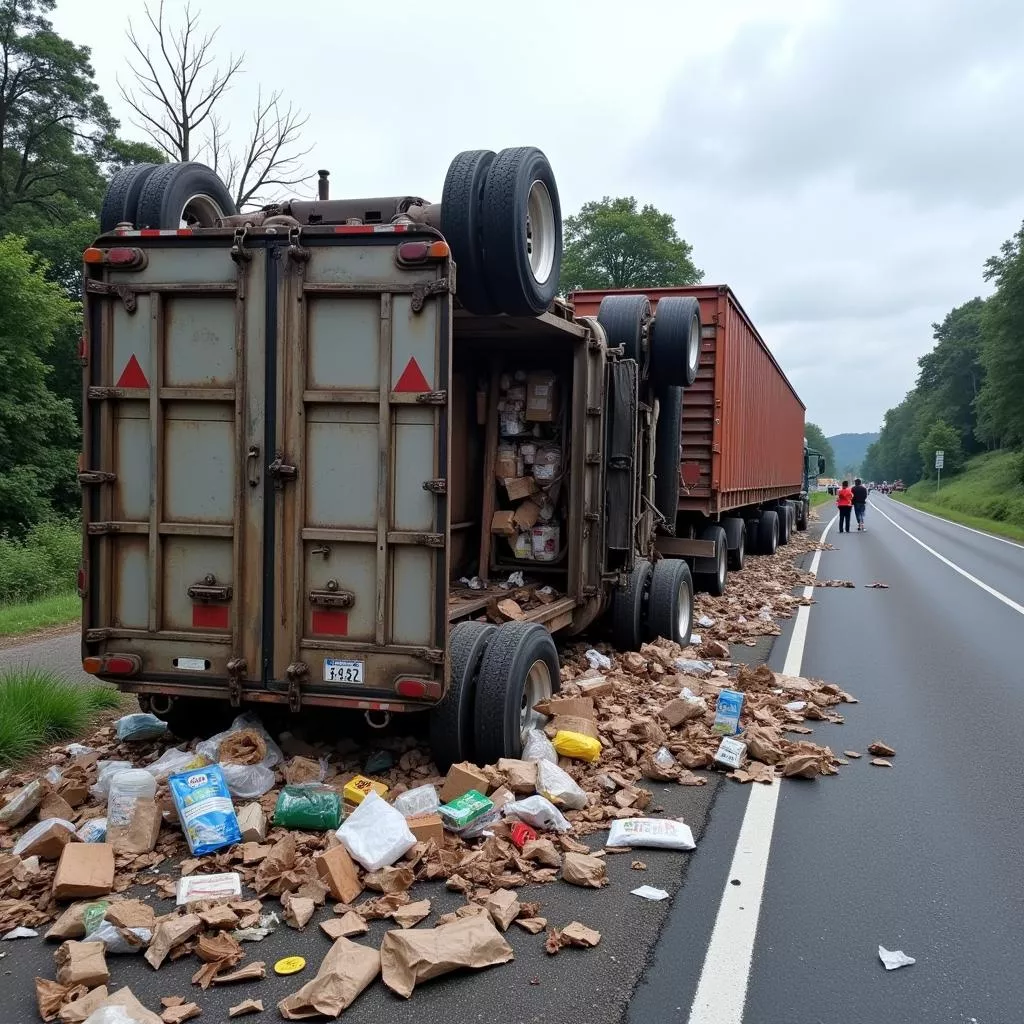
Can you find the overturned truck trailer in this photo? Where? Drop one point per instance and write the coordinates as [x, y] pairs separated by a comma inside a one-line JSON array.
[[732, 466]]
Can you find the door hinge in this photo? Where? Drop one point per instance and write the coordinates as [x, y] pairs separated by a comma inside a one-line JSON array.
[[432, 398], [95, 476], [436, 486], [126, 293], [420, 292], [297, 673], [236, 671], [209, 590], [332, 596]]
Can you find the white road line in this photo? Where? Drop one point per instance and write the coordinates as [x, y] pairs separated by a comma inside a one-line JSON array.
[[722, 989], [1008, 601], [942, 519]]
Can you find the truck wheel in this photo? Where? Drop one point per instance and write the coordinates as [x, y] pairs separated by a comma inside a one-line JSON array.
[[123, 195], [519, 668], [624, 318], [714, 582], [667, 441], [628, 608], [461, 204], [451, 721], [183, 196], [670, 604], [522, 232], [736, 541], [676, 341], [768, 532], [785, 511], [801, 515]]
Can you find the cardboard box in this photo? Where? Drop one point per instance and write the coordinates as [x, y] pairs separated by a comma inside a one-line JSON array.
[[357, 789], [506, 466], [573, 723], [252, 823], [541, 397], [526, 515], [518, 487], [504, 523], [597, 687], [84, 869], [49, 841], [141, 833], [339, 874], [461, 779], [580, 707], [82, 963], [426, 827]]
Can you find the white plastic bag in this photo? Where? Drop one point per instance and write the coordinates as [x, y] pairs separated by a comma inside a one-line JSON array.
[[248, 781], [598, 660], [421, 800], [559, 787], [114, 1014], [700, 669], [375, 834], [537, 812], [105, 772], [139, 727], [38, 829], [93, 831], [659, 833], [210, 748], [53, 775], [173, 762], [77, 749], [115, 943], [539, 748]]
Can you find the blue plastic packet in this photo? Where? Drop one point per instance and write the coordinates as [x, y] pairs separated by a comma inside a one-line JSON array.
[[727, 713], [205, 811]]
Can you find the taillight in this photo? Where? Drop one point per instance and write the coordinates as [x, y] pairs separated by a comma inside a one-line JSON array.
[[420, 252], [112, 665], [120, 257], [418, 688]]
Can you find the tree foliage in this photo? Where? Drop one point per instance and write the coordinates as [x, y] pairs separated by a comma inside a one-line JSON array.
[[37, 429], [817, 440], [941, 437], [612, 244]]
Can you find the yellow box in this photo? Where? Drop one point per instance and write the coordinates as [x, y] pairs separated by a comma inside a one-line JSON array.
[[356, 789]]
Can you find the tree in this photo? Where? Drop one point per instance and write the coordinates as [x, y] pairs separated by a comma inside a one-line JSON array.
[[37, 462], [176, 98], [612, 244], [1001, 410], [941, 438], [817, 440]]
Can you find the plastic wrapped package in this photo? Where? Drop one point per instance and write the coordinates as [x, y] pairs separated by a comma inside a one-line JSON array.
[[659, 833], [39, 829], [93, 831], [421, 800], [210, 748], [247, 781], [538, 747], [139, 727], [578, 746], [174, 762], [375, 834], [105, 772], [317, 808], [559, 787], [205, 811], [538, 812]]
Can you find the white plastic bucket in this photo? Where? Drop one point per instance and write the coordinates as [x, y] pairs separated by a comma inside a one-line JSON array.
[[126, 788]]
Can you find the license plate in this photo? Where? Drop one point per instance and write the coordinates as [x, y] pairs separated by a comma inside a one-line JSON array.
[[338, 671]]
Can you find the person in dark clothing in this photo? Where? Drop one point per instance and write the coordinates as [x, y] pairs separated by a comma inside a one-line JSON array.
[[860, 502], [844, 502]]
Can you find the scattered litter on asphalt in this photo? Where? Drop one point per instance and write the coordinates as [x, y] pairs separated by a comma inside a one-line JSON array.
[[881, 749], [649, 892], [877, 586], [852, 753], [893, 958], [881, 762]]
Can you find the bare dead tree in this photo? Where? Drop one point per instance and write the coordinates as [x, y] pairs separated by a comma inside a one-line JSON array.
[[175, 99]]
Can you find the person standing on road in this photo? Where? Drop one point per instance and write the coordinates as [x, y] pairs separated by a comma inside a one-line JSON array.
[[844, 501], [860, 502]]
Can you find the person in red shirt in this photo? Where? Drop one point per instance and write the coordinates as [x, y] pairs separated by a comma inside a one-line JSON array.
[[844, 500]]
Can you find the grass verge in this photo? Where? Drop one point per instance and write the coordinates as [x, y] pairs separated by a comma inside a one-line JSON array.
[[1008, 530], [30, 616], [38, 707], [821, 498]]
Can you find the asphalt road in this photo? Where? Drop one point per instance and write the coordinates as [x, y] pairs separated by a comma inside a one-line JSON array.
[[61, 654]]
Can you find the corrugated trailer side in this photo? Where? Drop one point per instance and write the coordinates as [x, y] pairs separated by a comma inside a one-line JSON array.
[[743, 422]]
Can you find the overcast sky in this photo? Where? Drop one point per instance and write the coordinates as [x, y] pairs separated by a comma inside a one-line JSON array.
[[845, 165]]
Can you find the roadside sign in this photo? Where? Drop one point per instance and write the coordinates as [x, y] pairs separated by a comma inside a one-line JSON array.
[[940, 459]]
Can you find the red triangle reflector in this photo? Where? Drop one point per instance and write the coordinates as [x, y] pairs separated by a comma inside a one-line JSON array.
[[132, 375], [412, 378]]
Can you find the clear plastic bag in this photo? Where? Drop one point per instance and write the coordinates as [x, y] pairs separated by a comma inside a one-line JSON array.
[[559, 787], [375, 834], [39, 829], [598, 660], [538, 812], [105, 772], [421, 800], [93, 831], [210, 748], [115, 943], [700, 669], [173, 762], [248, 781], [539, 748], [139, 727]]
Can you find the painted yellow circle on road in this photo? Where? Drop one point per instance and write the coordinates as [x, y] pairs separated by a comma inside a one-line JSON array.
[[290, 965]]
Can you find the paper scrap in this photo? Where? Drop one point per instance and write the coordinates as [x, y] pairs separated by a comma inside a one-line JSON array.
[[893, 958], [648, 892]]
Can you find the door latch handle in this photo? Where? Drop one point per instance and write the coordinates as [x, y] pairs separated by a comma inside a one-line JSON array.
[[281, 470], [252, 461], [208, 589], [332, 596]]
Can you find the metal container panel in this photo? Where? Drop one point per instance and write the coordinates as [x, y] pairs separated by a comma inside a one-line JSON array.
[[743, 422]]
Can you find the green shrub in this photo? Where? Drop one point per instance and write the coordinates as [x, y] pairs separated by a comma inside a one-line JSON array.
[[45, 562]]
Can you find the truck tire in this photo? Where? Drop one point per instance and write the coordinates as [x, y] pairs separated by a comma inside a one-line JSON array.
[[624, 318], [123, 196], [461, 204], [628, 608], [785, 511], [801, 516], [667, 444], [521, 221], [736, 541], [189, 717], [714, 582], [768, 532], [183, 195], [451, 721], [670, 604], [676, 341], [519, 668]]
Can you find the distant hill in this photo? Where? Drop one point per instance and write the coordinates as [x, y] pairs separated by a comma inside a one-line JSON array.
[[850, 450]]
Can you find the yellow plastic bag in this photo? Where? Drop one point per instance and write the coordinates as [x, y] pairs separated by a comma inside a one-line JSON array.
[[356, 789], [575, 744]]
